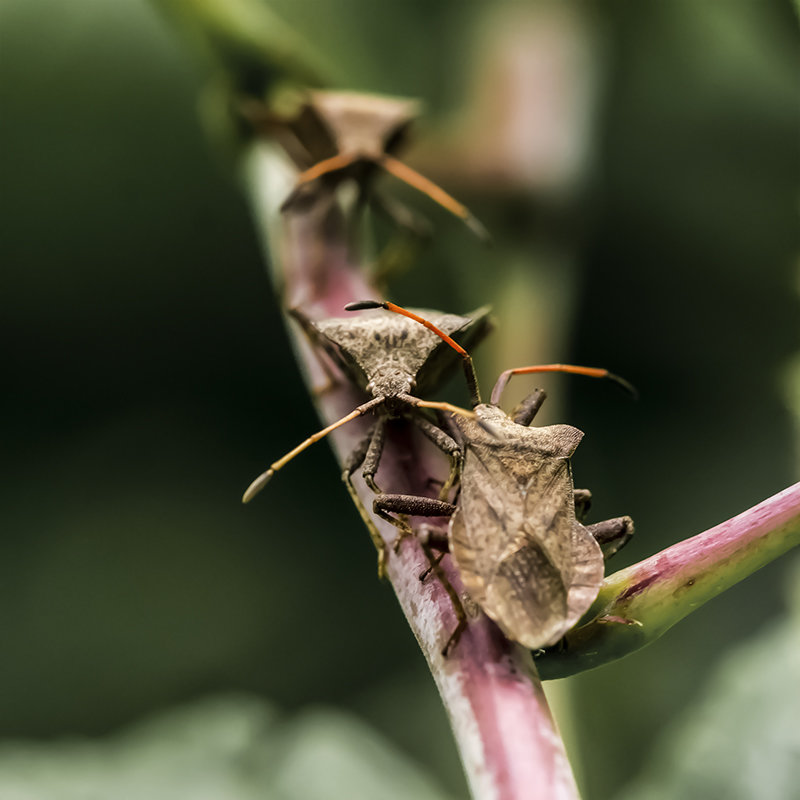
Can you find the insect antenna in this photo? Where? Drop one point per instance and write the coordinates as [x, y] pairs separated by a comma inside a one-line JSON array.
[[466, 359], [437, 406], [592, 372], [261, 481], [422, 184], [327, 165], [456, 410]]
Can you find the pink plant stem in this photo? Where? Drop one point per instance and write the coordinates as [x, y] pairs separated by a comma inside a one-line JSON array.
[[508, 741], [638, 604]]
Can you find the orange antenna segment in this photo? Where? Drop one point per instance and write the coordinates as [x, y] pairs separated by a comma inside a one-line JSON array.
[[332, 164], [429, 325], [436, 193], [592, 372]]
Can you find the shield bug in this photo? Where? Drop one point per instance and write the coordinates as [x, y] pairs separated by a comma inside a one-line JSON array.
[[515, 535], [388, 357], [333, 137]]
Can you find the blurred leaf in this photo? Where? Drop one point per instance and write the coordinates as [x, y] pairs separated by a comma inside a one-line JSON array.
[[742, 740], [227, 748]]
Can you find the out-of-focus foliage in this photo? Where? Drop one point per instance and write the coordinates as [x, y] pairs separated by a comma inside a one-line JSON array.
[[220, 749], [147, 379], [741, 739]]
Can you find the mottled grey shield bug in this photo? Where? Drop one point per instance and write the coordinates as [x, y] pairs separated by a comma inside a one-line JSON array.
[[333, 137], [515, 536], [388, 357]]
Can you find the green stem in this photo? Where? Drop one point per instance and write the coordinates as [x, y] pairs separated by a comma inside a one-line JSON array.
[[638, 604]]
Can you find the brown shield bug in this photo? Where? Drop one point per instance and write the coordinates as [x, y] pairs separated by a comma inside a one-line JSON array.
[[515, 535], [388, 357], [333, 137]]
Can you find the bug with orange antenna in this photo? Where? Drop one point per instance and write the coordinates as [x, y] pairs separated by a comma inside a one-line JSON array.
[[392, 359], [515, 534], [333, 137]]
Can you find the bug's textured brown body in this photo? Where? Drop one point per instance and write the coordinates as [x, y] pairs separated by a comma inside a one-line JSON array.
[[522, 554], [514, 536], [333, 137], [393, 359], [351, 123], [387, 355]]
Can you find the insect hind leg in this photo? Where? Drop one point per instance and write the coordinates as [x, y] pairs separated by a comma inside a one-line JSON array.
[[455, 601], [408, 505], [612, 534], [583, 502], [524, 413]]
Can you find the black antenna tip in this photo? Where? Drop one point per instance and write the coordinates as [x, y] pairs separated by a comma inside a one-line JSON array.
[[626, 385], [477, 227], [362, 305]]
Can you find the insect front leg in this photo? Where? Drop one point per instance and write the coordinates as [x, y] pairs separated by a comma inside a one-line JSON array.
[[447, 445], [612, 534], [372, 458], [354, 461]]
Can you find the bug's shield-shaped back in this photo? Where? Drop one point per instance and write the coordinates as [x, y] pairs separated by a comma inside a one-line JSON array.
[[521, 553], [363, 123], [375, 342]]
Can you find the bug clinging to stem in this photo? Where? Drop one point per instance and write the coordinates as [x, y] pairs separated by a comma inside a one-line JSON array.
[[389, 358], [336, 136], [515, 534]]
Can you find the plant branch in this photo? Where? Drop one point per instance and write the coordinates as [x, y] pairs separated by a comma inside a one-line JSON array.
[[508, 741], [638, 604]]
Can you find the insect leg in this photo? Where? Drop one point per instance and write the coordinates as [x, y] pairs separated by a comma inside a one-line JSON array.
[[354, 461], [327, 165], [413, 506], [612, 534], [524, 413], [427, 507], [455, 600], [409, 505], [448, 446], [583, 502], [373, 455], [436, 539]]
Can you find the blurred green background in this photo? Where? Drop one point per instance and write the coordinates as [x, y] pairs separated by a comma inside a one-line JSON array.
[[147, 377]]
